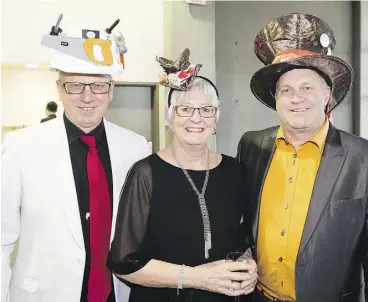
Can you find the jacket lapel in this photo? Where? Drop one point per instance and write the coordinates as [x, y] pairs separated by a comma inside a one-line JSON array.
[[331, 163], [67, 193], [267, 148]]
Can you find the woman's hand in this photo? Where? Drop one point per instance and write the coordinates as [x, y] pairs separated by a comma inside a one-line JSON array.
[[227, 278], [249, 285]]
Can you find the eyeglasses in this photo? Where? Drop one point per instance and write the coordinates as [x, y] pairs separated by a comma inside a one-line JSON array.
[[187, 111], [78, 88]]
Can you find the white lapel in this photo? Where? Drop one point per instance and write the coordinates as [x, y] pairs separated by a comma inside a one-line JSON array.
[[115, 154], [66, 194]]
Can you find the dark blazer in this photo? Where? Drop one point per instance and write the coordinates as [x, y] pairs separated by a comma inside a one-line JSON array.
[[49, 117], [332, 261]]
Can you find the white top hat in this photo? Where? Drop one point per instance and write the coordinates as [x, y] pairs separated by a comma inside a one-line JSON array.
[[88, 52]]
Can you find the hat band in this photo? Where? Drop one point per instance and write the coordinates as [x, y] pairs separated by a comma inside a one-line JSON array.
[[291, 54]]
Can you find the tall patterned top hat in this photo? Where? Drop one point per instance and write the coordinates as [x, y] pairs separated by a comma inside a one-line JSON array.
[[180, 74], [299, 41], [86, 51]]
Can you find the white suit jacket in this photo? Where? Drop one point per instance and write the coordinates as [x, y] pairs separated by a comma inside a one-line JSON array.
[[39, 207]]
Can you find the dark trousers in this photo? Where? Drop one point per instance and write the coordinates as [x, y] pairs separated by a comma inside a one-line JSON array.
[[257, 296]]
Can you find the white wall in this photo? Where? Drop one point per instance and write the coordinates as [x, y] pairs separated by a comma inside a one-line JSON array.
[[141, 22], [193, 26], [237, 24], [24, 95]]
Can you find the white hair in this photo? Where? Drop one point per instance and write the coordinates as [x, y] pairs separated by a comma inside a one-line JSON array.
[[200, 85]]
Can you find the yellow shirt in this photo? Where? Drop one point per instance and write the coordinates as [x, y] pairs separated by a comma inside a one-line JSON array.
[[284, 206]]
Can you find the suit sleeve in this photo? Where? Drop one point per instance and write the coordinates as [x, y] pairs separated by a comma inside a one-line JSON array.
[[246, 225], [127, 254], [365, 232], [365, 257], [11, 196], [242, 148], [239, 150]]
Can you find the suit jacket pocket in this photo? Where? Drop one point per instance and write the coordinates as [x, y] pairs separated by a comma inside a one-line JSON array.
[[349, 210], [347, 201], [27, 284]]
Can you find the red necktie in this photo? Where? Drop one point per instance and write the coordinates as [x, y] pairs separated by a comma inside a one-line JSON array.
[[99, 282]]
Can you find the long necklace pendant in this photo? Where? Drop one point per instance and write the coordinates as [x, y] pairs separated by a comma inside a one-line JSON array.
[[209, 241], [207, 247], [206, 253], [202, 203]]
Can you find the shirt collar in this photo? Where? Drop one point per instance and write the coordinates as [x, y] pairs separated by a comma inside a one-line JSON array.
[[73, 132], [319, 139]]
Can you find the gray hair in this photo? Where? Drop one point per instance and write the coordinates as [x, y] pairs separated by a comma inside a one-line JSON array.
[[200, 85]]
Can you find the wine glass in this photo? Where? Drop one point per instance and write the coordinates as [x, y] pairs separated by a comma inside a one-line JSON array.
[[237, 257]]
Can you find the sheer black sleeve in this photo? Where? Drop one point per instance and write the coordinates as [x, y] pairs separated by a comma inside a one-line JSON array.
[[126, 255]]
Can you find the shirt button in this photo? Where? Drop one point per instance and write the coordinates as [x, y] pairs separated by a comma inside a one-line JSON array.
[[290, 179], [286, 205], [295, 155], [281, 259], [282, 232]]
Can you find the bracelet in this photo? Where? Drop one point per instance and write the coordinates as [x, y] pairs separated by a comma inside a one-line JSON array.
[[181, 276]]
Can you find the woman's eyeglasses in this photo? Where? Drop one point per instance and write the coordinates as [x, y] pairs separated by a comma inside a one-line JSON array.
[[188, 111]]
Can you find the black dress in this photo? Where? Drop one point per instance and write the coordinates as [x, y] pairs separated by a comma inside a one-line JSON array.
[[159, 218]]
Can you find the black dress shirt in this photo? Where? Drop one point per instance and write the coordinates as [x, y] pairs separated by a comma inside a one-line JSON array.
[[78, 154]]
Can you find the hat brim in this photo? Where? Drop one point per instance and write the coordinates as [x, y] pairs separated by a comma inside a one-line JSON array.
[[69, 64], [338, 71]]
